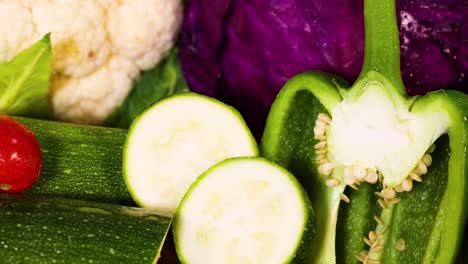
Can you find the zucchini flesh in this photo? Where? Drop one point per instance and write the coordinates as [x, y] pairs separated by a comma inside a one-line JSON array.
[[40, 230], [244, 210], [174, 141], [80, 162]]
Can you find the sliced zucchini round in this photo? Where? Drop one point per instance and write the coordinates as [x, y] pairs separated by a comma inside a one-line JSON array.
[[244, 210], [174, 141]]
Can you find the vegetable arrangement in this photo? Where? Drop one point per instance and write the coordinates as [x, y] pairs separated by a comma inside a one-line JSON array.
[[404, 158], [243, 52], [161, 162], [99, 49], [192, 163]]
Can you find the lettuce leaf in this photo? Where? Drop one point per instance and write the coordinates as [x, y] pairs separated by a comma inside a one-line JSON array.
[[25, 81], [160, 82]]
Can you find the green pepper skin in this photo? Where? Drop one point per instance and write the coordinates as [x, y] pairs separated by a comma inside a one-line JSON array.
[[288, 139], [430, 219]]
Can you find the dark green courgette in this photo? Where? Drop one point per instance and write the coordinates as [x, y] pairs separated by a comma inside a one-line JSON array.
[[80, 162], [48, 230]]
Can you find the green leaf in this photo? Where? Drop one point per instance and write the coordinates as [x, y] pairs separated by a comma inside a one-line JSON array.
[[164, 80], [25, 81]]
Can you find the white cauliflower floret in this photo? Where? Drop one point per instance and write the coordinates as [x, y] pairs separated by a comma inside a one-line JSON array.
[[79, 38], [99, 47], [142, 37], [19, 33], [109, 4], [81, 100]]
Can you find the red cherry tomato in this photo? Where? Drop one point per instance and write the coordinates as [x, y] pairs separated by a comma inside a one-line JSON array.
[[20, 156]]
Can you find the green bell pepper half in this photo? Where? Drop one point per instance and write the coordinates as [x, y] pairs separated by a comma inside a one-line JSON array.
[[427, 224]]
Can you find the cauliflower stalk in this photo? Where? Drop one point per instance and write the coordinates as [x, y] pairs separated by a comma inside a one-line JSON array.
[[99, 47]]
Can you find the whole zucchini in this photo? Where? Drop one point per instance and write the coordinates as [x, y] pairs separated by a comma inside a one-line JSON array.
[[51, 230], [80, 162]]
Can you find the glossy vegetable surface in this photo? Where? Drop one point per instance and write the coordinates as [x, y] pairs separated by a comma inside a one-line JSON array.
[[50, 230], [80, 162], [243, 52], [409, 203], [20, 156]]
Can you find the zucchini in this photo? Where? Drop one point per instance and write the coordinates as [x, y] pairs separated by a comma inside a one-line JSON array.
[[80, 162], [244, 210], [174, 141], [48, 230]]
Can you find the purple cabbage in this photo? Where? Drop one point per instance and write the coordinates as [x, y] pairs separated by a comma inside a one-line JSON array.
[[243, 51]]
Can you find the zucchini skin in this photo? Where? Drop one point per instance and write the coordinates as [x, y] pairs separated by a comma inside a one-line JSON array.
[[80, 162], [48, 230]]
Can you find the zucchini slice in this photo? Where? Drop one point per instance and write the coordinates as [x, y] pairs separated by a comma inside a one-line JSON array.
[[177, 139], [244, 210], [48, 230]]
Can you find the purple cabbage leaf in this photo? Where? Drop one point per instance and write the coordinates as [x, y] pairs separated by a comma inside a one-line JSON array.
[[242, 52]]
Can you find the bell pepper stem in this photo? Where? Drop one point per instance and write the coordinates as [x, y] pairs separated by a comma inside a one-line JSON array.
[[382, 45]]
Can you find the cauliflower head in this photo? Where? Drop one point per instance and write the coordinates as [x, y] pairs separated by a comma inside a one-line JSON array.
[[99, 47]]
